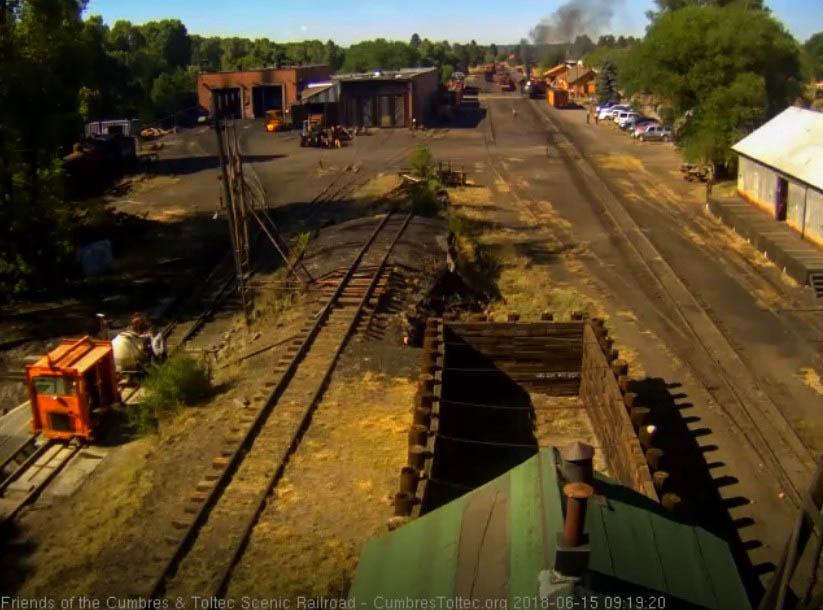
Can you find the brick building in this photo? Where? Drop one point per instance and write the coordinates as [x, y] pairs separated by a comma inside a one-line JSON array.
[[390, 98], [249, 93]]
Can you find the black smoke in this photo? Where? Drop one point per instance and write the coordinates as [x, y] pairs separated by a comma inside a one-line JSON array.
[[574, 18]]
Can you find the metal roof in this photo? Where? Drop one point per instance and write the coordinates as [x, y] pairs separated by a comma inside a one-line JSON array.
[[497, 541], [265, 69], [402, 73], [323, 94], [556, 70], [791, 143], [74, 354], [577, 73]]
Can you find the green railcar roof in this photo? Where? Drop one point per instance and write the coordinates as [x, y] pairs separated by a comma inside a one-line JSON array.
[[494, 542]]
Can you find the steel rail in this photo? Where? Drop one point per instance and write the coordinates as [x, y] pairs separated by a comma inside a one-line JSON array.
[[238, 455], [260, 504], [38, 489], [23, 465], [740, 416]]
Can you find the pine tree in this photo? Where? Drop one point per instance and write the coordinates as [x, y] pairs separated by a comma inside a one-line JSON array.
[[606, 90]]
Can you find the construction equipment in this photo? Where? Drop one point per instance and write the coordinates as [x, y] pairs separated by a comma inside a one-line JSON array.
[[276, 121], [71, 388], [313, 134]]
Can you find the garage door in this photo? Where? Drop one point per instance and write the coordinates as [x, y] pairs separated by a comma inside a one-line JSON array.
[[266, 97], [227, 102]]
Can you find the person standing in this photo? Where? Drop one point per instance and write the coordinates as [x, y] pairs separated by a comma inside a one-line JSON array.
[[158, 344]]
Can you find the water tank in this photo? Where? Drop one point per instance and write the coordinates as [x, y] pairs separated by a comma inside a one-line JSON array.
[[129, 351]]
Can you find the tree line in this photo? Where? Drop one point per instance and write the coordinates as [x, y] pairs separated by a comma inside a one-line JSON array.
[[716, 69], [727, 64], [59, 70]]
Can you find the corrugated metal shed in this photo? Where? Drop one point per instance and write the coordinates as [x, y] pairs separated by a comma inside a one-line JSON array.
[[322, 94], [791, 143], [494, 542], [401, 74]]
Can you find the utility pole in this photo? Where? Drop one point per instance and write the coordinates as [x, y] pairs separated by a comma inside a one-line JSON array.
[[234, 201]]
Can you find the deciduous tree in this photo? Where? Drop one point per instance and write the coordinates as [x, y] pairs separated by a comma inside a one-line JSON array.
[[733, 68]]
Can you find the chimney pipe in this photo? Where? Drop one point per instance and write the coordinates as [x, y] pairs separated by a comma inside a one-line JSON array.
[[576, 464], [577, 495]]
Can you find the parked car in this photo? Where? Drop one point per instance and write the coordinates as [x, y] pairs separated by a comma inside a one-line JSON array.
[[606, 113], [616, 110], [606, 106], [622, 118], [629, 123], [638, 129], [642, 125], [638, 121], [656, 133]]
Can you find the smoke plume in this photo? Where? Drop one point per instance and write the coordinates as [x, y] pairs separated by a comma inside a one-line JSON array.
[[574, 18]]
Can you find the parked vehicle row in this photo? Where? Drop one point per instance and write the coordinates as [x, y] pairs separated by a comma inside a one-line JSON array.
[[638, 126]]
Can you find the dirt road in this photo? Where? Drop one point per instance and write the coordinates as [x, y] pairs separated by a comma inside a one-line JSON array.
[[705, 313]]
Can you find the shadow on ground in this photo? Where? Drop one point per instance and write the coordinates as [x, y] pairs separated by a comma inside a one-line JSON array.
[[192, 165], [687, 457]]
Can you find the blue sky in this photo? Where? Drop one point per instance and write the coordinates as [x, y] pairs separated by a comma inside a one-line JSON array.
[[346, 22]]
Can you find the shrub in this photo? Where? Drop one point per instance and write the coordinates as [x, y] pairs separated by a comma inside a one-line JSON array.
[[181, 380], [300, 245], [460, 225], [422, 161], [424, 199]]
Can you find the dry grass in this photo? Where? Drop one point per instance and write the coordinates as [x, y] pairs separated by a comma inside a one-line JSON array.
[[563, 419], [627, 315], [379, 186], [529, 289], [127, 483], [470, 196], [148, 182], [632, 358], [620, 162], [350, 457], [811, 379], [167, 215]]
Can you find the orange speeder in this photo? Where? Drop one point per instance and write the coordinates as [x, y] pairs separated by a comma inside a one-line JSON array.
[[71, 388]]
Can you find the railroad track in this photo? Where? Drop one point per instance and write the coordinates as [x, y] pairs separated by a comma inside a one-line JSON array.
[[27, 472], [339, 187], [223, 508], [702, 343], [36, 462]]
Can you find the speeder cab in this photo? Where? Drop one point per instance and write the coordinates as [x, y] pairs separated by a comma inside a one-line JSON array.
[[71, 387]]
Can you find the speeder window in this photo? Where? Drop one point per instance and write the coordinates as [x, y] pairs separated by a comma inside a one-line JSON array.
[[54, 385]]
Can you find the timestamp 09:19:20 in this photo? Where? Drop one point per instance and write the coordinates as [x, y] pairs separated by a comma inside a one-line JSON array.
[[599, 602]]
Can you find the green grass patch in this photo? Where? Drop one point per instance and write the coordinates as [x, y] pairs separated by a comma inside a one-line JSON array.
[[179, 381], [300, 245], [422, 161], [460, 225]]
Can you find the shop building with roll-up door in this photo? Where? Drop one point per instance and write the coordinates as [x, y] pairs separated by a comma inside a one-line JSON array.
[[781, 170], [387, 98], [249, 94]]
